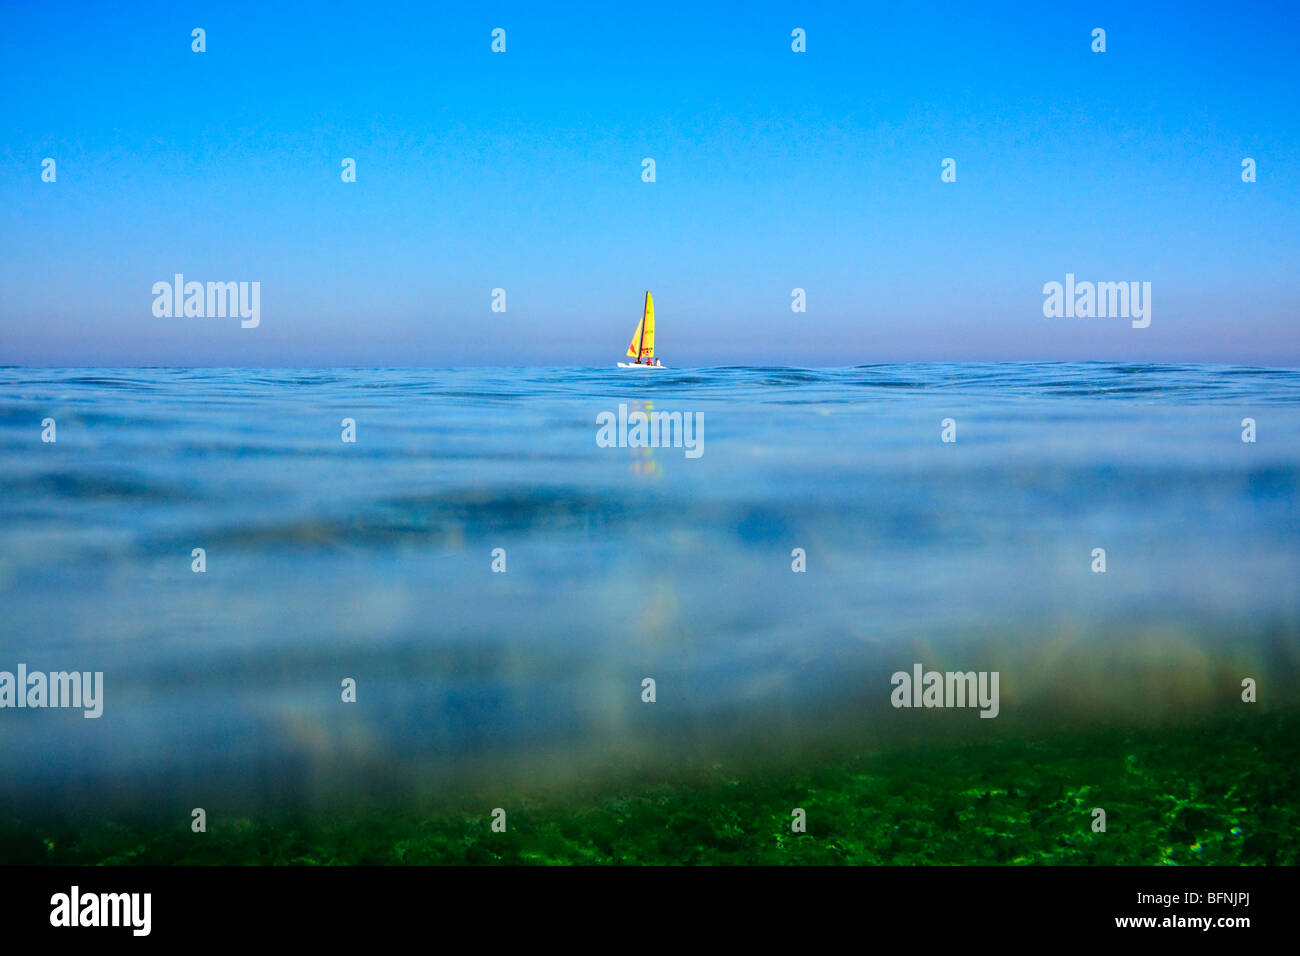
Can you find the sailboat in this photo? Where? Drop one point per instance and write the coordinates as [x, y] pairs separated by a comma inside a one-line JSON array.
[[642, 347]]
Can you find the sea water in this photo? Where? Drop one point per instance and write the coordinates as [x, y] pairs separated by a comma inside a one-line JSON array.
[[497, 585]]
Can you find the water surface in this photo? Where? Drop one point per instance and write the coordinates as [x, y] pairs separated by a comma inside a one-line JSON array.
[[372, 560]]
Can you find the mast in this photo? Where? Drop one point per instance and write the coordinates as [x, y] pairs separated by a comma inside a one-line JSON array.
[[640, 345]]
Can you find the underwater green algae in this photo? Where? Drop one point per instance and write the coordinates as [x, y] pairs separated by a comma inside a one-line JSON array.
[[1223, 793]]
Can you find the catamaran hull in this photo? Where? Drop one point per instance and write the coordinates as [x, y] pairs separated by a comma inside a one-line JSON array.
[[639, 365]]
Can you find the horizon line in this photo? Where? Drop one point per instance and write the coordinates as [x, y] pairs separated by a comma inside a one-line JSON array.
[[676, 368]]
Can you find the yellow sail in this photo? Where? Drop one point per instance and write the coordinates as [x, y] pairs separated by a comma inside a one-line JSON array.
[[643, 339]]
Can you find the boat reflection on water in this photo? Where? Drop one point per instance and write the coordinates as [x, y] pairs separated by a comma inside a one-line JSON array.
[[645, 466]]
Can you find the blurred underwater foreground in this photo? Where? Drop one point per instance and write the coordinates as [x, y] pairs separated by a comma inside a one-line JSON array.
[[498, 585]]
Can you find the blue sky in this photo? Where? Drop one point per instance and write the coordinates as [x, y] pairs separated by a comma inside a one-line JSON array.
[[522, 171]]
